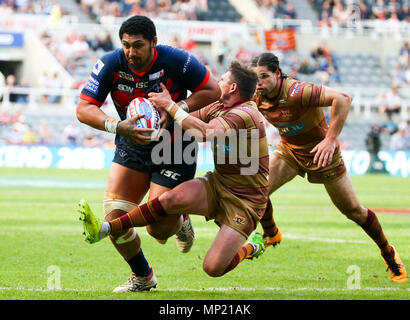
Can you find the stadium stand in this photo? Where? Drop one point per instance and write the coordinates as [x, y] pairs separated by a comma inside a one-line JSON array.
[[67, 37]]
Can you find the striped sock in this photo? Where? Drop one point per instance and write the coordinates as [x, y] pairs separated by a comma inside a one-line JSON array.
[[374, 230], [240, 256], [267, 222], [141, 216]]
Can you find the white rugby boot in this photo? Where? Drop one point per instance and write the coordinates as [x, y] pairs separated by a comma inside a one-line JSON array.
[[138, 284], [185, 236]]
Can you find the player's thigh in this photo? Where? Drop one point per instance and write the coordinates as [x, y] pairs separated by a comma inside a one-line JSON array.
[[342, 194], [188, 197], [223, 249], [280, 172], [127, 184]]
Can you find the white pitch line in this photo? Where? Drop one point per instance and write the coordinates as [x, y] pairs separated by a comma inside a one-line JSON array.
[[202, 233], [218, 289]]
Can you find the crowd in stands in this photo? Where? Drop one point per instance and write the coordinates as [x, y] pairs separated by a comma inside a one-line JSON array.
[[46, 7], [166, 9], [16, 129], [342, 12], [277, 9]]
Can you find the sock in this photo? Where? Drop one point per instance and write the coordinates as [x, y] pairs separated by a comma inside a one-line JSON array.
[[374, 230], [267, 222], [141, 216], [139, 265], [243, 252]]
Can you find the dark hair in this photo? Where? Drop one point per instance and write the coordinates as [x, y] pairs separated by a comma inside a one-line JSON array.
[[138, 25], [269, 60], [245, 78]]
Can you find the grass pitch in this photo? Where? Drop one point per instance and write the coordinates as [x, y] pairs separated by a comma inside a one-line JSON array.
[[323, 255]]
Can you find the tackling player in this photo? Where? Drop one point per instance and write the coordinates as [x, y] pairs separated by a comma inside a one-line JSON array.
[[309, 146], [234, 194], [135, 70]]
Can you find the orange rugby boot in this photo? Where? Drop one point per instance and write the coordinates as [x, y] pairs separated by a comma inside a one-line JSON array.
[[396, 268]]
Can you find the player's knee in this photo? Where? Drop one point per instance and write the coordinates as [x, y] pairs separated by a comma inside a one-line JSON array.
[[212, 269], [113, 208], [355, 213], [171, 199]]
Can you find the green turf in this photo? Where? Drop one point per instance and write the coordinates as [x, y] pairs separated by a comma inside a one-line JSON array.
[[40, 233]]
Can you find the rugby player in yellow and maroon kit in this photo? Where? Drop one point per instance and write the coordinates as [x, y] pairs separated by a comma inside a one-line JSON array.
[[310, 146], [234, 194]]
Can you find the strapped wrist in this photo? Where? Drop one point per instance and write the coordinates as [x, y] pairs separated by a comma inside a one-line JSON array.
[[111, 125]]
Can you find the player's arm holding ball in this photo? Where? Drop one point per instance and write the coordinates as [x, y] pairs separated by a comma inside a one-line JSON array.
[[92, 97]]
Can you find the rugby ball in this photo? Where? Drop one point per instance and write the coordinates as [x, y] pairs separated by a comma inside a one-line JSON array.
[[151, 115]]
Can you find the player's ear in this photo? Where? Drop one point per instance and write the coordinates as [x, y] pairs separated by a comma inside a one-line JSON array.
[[234, 87], [154, 42]]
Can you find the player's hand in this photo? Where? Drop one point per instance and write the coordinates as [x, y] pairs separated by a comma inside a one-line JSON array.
[[164, 121], [128, 129], [324, 151], [161, 100]]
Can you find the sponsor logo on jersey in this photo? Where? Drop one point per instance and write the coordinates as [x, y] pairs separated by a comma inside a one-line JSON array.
[[282, 101], [91, 86], [239, 219], [126, 76], [295, 90], [156, 75], [288, 129], [125, 88], [185, 68], [286, 113], [93, 80], [98, 67], [141, 85]]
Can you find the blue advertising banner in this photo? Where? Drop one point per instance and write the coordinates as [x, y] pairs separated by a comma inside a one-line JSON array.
[[397, 163], [11, 39]]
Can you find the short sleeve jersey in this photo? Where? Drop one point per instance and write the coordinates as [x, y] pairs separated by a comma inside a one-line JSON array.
[[177, 69], [243, 116], [296, 112]]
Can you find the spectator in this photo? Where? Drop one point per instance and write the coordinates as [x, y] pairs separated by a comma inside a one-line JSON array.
[[306, 67], [5, 117], [10, 86], [389, 127], [404, 55], [91, 140], [289, 12], [392, 102], [399, 140], [22, 97], [373, 141], [29, 135], [71, 133], [55, 84], [46, 133]]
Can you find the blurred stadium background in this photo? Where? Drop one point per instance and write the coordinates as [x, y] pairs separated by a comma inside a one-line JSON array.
[[48, 47]]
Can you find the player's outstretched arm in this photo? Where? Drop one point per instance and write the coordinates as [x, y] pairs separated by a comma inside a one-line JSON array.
[[199, 129]]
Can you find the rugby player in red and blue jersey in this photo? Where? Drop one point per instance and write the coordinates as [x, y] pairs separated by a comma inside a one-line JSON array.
[[133, 71]]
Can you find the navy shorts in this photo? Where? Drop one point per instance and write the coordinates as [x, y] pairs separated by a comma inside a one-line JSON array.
[[166, 174]]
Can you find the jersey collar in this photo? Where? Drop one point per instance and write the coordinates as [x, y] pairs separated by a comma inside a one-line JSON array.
[[140, 74]]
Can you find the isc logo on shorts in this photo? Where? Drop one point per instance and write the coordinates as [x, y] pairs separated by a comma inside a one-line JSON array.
[[170, 174]]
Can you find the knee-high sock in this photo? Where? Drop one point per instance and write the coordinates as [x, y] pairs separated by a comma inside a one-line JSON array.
[[240, 256], [141, 216], [374, 230], [267, 222]]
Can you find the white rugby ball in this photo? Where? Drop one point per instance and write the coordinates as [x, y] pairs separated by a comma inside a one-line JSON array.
[[151, 115]]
